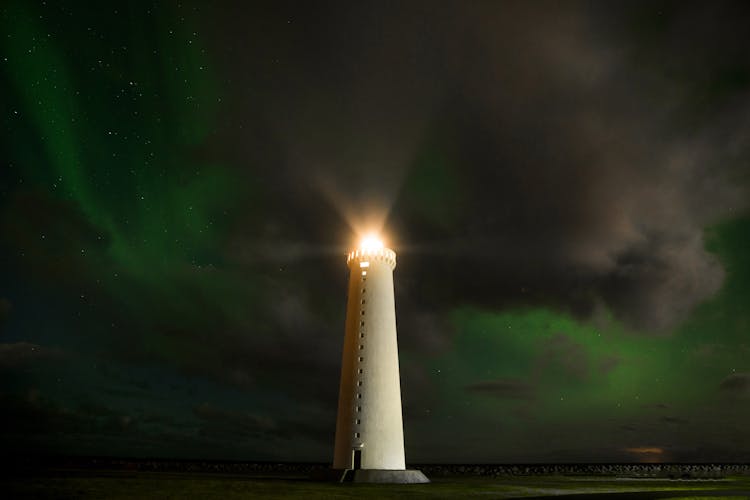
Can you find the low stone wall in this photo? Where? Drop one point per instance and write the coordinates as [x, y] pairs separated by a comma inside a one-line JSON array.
[[273, 469], [672, 471]]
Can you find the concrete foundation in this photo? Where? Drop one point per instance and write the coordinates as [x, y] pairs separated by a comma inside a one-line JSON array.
[[406, 476]]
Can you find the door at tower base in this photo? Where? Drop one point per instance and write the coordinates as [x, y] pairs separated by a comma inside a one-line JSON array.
[[369, 427]]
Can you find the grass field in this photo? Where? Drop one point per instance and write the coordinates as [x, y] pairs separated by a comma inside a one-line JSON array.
[[121, 485]]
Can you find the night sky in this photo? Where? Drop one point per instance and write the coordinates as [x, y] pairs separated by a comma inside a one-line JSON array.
[[565, 185]]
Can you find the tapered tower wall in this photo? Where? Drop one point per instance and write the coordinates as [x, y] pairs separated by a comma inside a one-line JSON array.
[[369, 412]]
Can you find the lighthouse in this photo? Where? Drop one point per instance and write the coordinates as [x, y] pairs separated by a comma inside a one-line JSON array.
[[369, 443]]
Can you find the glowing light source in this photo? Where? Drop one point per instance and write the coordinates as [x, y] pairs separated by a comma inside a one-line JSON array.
[[646, 449], [648, 454], [370, 242]]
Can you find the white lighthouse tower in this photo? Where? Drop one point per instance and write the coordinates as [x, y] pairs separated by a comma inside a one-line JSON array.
[[369, 428]]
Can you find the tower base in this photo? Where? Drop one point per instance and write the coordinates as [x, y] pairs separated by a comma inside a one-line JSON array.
[[408, 476]]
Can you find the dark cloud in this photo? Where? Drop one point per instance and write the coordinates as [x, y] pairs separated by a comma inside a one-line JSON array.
[[548, 159], [656, 406], [228, 426], [508, 388], [223, 424], [698, 454], [49, 236], [422, 331], [29, 413], [673, 420], [608, 363], [18, 354], [5, 309], [707, 352], [736, 385], [578, 180], [33, 422], [563, 353]]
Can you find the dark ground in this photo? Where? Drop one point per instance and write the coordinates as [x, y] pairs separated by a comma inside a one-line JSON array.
[[118, 478]]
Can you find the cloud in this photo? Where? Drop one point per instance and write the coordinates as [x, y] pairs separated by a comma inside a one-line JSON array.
[[561, 352], [576, 186], [736, 385], [17, 354], [608, 363], [32, 423], [656, 406], [50, 234], [223, 424], [229, 426], [568, 176], [5, 308], [422, 331], [673, 420], [507, 388]]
